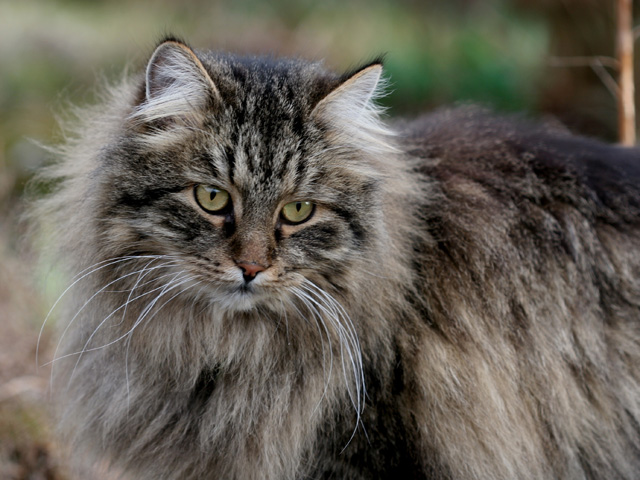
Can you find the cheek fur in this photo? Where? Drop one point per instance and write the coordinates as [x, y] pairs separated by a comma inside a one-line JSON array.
[[326, 244], [321, 236], [168, 224]]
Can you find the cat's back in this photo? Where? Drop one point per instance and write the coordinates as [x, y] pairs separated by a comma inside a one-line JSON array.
[[526, 257], [511, 157], [503, 195]]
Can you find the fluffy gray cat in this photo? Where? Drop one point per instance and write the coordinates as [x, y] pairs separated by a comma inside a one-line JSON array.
[[272, 283]]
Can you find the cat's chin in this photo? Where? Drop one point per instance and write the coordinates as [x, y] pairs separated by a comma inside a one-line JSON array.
[[242, 300]]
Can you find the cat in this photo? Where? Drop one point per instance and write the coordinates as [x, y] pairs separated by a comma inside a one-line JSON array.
[[272, 281]]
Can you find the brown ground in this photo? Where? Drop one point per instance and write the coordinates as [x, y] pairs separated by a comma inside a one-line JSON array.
[[27, 448]]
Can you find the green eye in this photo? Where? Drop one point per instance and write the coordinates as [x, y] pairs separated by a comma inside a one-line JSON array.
[[297, 212], [211, 199]]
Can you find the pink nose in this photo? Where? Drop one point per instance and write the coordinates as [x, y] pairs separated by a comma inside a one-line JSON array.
[[250, 269]]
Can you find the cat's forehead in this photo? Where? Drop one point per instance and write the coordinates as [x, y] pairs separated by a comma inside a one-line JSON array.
[[265, 127], [269, 82], [266, 101], [269, 124]]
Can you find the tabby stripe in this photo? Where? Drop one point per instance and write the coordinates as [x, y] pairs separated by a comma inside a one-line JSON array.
[[207, 158], [231, 162], [146, 197]]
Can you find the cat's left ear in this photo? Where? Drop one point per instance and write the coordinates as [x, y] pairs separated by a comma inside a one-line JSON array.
[[177, 85], [353, 95], [352, 111]]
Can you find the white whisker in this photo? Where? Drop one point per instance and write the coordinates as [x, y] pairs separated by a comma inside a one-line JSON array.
[[113, 312], [286, 321], [319, 320], [140, 285], [343, 345], [126, 361], [141, 317], [350, 349], [83, 274], [55, 354]]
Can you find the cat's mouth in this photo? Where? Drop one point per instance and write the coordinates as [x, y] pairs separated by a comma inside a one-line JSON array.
[[240, 295], [245, 289], [243, 297]]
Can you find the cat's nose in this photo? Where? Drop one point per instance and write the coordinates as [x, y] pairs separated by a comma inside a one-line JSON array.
[[250, 270]]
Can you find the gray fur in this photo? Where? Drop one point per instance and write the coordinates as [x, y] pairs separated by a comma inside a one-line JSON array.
[[463, 303]]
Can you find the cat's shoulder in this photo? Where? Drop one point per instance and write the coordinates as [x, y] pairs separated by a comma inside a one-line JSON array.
[[516, 154]]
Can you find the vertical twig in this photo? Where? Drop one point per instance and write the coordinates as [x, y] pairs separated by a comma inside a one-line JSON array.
[[626, 103]]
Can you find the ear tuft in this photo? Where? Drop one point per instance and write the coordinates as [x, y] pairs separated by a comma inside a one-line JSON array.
[[351, 109], [177, 86]]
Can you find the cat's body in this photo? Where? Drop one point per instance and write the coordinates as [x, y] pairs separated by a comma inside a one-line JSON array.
[[461, 300]]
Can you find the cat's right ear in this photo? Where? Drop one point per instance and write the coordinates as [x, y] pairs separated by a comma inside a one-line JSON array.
[[178, 88]]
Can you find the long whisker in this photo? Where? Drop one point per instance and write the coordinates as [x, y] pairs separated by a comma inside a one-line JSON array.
[[123, 259], [319, 321], [107, 286], [55, 354], [347, 323], [286, 321], [354, 338], [113, 312], [141, 317], [136, 285], [83, 274], [163, 289], [348, 340], [336, 307], [343, 345], [126, 360], [344, 315]]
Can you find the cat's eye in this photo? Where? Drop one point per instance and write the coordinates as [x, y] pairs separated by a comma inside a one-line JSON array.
[[211, 199], [297, 212]]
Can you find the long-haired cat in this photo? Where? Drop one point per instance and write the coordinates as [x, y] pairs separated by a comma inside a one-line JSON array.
[[273, 283]]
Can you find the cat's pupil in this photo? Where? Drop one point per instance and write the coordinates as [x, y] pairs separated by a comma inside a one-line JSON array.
[[212, 195], [298, 206]]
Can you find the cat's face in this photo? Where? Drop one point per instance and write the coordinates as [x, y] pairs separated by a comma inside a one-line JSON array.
[[250, 178]]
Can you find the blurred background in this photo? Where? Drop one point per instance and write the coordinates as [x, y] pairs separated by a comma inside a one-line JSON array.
[[512, 55]]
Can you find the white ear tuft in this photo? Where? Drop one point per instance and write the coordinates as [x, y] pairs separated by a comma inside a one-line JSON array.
[[352, 111], [353, 95], [178, 86]]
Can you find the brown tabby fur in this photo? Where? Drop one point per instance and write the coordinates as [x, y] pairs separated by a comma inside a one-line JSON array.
[[463, 304]]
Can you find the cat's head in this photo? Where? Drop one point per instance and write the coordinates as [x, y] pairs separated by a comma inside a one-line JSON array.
[[251, 175]]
